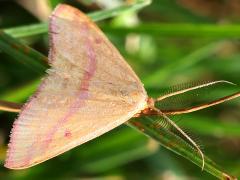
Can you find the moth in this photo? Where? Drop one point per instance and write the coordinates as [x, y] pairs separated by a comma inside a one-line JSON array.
[[89, 90]]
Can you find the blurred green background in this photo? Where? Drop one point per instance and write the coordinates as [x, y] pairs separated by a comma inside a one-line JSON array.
[[166, 43]]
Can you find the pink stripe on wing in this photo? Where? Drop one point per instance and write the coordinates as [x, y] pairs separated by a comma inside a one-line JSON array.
[[81, 96]]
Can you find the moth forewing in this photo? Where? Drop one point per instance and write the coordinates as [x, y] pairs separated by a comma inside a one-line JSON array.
[[88, 91]]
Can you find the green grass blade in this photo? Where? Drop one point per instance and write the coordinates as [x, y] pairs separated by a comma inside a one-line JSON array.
[[139, 4], [27, 30], [177, 145], [41, 28], [180, 30], [163, 30], [22, 53]]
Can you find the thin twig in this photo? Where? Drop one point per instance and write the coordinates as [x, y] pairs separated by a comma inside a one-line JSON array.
[[10, 106]]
